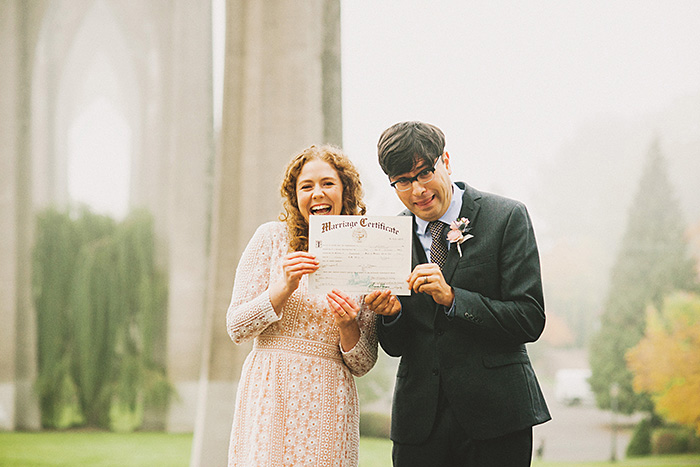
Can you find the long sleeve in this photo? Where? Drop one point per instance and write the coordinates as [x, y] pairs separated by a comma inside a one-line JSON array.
[[250, 311], [515, 313], [362, 357]]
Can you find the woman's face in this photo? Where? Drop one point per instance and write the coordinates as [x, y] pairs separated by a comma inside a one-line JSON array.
[[319, 189]]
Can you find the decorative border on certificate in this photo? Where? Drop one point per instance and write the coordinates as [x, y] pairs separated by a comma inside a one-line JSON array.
[[361, 254]]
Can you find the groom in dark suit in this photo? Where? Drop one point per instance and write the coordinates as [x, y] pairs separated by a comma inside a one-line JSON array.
[[466, 393]]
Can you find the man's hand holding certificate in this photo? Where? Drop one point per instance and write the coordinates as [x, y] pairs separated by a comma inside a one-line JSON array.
[[361, 254]]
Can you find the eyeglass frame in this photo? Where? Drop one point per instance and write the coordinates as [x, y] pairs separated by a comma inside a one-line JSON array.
[[410, 180]]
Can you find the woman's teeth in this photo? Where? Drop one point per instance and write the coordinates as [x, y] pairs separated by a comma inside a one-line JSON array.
[[321, 209]]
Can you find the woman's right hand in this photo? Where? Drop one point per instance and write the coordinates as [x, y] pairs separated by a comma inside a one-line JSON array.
[[294, 266]]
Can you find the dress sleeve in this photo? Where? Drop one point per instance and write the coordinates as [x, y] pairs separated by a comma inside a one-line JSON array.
[[251, 311], [361, 358]]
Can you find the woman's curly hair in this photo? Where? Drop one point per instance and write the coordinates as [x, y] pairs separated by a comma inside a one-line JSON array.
[[353, 204]]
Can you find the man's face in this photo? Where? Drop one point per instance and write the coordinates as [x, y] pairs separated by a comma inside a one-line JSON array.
[[429, 201]]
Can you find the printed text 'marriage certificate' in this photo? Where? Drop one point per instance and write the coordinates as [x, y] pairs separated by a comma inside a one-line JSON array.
[[360, 254]]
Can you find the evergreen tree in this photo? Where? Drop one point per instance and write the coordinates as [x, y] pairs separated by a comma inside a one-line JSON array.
[[653, 260]]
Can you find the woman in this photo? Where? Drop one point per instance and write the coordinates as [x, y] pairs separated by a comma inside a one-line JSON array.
[[297, 403]]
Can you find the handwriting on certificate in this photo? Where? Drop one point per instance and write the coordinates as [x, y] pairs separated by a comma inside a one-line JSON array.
[[361, 254]]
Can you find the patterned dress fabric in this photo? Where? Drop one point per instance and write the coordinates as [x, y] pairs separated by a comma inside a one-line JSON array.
[[297, 403]]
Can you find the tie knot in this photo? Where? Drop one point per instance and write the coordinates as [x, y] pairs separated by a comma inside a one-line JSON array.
[[435, 228]]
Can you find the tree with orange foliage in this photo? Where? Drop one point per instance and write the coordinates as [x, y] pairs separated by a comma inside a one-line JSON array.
[[666, 362]]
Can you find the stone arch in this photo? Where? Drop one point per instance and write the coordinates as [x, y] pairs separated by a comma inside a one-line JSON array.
[[151, 46], [99, 47], [280, 95]]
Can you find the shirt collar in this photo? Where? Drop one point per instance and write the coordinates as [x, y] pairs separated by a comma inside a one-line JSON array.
[[452, 212]]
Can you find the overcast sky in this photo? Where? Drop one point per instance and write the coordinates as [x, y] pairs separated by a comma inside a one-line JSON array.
[[508, 81]]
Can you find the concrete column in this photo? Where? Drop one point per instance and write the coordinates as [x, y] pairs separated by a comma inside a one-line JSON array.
[[187, 180], [18, 404], [9, 84], [280, 55]]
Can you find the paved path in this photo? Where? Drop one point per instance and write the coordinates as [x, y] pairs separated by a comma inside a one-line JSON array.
[[580, 433]]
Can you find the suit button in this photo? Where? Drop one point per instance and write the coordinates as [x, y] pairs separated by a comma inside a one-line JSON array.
[[440, 332], [435, 372]]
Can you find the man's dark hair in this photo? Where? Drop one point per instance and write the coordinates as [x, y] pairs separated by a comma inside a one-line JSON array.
[[404, 145]]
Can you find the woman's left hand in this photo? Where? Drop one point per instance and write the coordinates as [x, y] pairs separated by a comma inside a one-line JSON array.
[[345, 311], [344, 308]]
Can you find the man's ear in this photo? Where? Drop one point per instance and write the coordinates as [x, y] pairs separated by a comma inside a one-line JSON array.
[[446, 161]]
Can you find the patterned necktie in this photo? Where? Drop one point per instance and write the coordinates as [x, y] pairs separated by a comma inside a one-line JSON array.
[[438, 249]]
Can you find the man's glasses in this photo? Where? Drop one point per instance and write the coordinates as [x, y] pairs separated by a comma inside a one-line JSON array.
[[423, 177]]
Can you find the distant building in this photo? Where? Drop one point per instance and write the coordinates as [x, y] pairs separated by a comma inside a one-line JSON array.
[[571, 386]]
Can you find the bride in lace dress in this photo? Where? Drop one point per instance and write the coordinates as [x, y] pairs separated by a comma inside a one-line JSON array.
[[297, 404]]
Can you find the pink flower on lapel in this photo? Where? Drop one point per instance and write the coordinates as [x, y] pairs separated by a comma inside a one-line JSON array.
[[459, 233]]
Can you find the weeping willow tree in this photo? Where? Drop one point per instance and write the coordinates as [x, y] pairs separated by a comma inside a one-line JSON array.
[[58, 243], [101, 303]]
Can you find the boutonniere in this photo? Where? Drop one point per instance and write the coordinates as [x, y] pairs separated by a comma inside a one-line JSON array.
[[459, 233]]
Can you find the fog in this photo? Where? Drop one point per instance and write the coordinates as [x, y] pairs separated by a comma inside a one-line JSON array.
[[513, 84], [554, 103]]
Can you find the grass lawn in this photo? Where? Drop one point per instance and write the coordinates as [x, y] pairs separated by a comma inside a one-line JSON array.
[[94, 448], [103, 449]]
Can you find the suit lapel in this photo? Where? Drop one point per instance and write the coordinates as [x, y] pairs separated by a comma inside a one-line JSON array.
[[470, 210], [417, 252], [418, 257]]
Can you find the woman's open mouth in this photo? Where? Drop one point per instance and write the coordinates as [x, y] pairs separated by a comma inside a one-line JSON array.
[[320, 209]]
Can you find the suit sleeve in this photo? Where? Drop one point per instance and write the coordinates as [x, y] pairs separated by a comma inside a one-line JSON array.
[[394, 333], [515, 312]]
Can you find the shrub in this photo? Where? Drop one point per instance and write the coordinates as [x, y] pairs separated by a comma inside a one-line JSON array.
[[694, 442], [640, 444], [670, 440], [375, 425]]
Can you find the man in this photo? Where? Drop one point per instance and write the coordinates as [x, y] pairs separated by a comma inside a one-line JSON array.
[[466, 393]]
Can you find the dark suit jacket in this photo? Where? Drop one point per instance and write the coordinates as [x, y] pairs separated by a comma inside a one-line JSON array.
[[478, 356]]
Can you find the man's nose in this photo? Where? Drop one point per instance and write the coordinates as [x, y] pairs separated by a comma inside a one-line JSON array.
[[417, 187]]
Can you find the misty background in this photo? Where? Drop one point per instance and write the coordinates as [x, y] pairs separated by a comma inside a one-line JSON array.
[[555, 103]]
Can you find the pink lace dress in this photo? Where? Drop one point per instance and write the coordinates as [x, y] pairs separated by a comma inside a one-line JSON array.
[[296, 404]]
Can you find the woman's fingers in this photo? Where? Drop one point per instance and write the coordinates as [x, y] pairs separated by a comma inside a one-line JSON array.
[[298, 263], [342, 304]]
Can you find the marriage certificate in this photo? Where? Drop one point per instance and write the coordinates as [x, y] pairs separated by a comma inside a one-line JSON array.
[[361, 254]]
